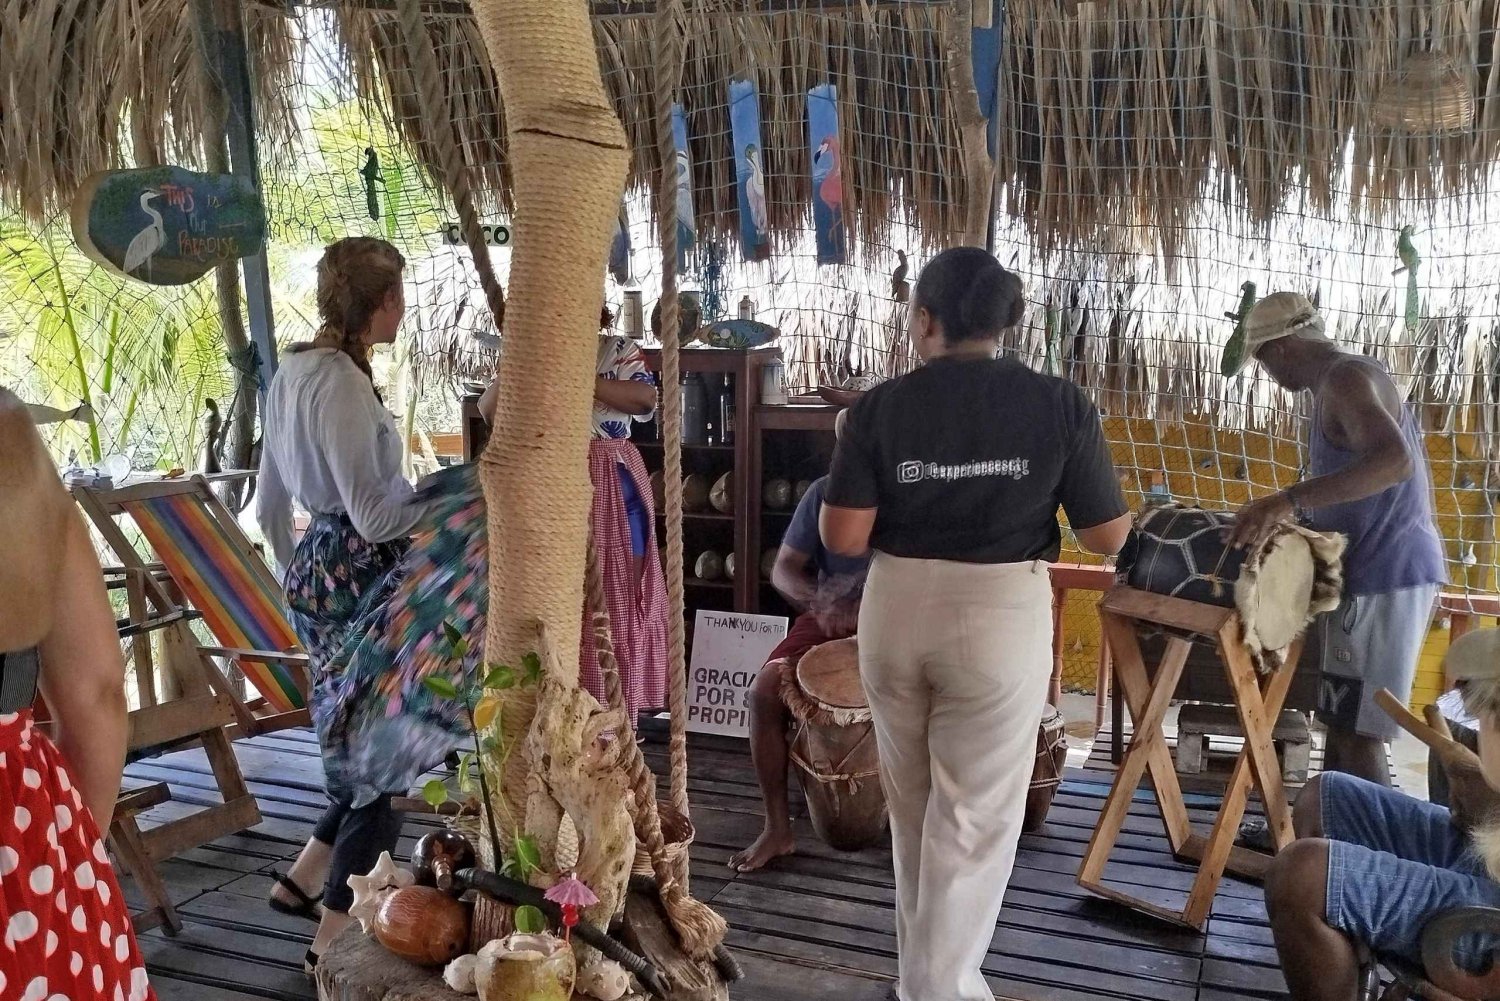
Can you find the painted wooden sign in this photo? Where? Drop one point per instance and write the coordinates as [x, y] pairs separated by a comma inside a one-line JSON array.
[[750, 169], [827, 174], [167, 225]]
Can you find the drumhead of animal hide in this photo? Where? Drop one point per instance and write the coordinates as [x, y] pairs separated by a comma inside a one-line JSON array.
[[1274, 592], [1052, 719], [829, 675]]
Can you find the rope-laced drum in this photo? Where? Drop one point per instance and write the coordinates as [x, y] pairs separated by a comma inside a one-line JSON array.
[[1277, 588], [833, 745], [1046, 773]]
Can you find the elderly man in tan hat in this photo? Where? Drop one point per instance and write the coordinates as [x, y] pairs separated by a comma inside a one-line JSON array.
[[1372, 866], [1367, 479]]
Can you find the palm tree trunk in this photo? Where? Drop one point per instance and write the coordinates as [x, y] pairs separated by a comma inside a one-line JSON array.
[[569, 160]]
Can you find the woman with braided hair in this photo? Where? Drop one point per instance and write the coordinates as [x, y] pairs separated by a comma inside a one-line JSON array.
[[331, 446]]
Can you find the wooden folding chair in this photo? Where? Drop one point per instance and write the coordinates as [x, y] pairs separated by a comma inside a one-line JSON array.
[[1258, 699], [222, 579], [197, 715]]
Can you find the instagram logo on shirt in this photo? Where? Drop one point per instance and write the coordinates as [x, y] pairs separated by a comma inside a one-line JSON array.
[[909, 472]]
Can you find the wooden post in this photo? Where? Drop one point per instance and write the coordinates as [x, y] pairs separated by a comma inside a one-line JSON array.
[[225, 57]]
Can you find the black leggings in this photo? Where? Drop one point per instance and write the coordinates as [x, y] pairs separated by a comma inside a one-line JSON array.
[[358, 836]]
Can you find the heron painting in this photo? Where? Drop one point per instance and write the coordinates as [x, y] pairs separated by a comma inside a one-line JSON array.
[[827, 174], [750, 175], [687, 226]]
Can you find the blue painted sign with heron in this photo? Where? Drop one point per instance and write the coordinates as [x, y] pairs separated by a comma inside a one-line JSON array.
[[167, 225], [750, 169]]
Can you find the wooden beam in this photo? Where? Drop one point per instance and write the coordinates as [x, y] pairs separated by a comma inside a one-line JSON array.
[[613, 9], [227, 58]]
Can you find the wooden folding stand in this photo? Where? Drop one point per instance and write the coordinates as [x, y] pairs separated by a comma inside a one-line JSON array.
[[1258, 699]]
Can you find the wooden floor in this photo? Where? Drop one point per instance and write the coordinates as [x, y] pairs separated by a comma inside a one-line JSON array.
[[819, 925]]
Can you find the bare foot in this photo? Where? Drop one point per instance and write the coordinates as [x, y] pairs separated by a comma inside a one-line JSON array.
[[771, 845]]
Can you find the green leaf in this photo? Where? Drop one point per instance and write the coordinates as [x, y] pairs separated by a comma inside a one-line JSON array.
[[465, 762], [491, 744], [500, 677], [530, 920], [441, 687], [456, 640], [532, 665], [528, 856], [435, 792]]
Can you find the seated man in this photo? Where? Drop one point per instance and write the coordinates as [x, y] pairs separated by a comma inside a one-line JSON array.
[[1372, 866], [825, 589]]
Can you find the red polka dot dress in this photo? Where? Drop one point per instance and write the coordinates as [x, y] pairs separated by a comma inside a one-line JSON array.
[[67, 933]]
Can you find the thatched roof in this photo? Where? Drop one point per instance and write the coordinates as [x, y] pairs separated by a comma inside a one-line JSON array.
[[896, 117]]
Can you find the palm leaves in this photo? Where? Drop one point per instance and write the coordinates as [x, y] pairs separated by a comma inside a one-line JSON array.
[[142, 357]]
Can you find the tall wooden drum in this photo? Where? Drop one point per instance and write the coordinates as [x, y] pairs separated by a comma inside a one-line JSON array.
[[1046, 772], [833, 746]]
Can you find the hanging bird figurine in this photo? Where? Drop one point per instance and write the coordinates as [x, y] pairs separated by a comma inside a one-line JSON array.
[[900, 287], [1410, 262], [372, 175], [1234, 351], [213, 427]]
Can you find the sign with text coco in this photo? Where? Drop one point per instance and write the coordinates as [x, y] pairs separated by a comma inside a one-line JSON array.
[[496, 234], [167, 225], [729, 649]]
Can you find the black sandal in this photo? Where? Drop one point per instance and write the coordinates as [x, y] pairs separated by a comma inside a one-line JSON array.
[[306, 907], [310, 963]]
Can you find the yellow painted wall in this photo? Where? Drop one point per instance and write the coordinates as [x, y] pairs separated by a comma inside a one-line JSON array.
[[1215, 468]]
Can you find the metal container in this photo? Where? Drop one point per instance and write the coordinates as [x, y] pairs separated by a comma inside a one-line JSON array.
[[773, 383]]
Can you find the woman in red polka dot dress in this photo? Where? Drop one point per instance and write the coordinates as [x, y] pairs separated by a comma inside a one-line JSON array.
[[65, 933]]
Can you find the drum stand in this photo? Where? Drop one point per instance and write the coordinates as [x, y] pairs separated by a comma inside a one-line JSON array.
[[1258, 699]]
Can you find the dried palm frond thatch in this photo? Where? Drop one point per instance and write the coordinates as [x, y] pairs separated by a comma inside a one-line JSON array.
[[897, 120], [98, 84]]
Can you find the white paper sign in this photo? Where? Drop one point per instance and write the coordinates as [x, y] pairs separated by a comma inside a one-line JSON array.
[[729, 649]]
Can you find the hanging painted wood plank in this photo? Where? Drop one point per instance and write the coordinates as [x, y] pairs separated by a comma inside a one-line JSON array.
[[687, 226], [619, 248], [827, 174], [166, 225], [744, 125]]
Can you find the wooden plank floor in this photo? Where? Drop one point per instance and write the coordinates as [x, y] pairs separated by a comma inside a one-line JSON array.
[[813, 926]]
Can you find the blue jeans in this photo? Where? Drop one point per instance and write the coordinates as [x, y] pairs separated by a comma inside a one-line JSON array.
[[1394, 862]]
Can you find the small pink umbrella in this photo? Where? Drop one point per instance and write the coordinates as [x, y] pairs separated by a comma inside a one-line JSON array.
[[572, 895]]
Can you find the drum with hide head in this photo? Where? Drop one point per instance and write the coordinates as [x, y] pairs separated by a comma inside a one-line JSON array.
[[1277, 588], [833, 746], [1046, 773]]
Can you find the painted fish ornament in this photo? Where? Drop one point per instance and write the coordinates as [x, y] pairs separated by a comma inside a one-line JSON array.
[[619, 249], [371, 173], [1234, 351], [737, 333], [43, 414]]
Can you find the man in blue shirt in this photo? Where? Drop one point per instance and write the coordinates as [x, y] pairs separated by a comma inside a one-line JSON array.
[[825, 589]]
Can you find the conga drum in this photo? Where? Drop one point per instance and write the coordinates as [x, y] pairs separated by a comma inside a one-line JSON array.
[[1277, 588], [1046, 773], [833, 746]]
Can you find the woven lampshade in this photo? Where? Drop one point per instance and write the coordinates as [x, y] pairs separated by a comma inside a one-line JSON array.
[[1428, 94]]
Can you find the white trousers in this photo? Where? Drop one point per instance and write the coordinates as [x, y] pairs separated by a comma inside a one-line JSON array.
[[955, 660]]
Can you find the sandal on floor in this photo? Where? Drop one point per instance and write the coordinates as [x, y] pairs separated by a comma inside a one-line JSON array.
[[310, 963], [306, 907]]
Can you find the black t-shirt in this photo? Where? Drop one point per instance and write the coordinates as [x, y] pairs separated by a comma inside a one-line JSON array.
[[969, 459]]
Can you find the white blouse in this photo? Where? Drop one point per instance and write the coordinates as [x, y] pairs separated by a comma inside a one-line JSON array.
[[619, 358], [330, 446]]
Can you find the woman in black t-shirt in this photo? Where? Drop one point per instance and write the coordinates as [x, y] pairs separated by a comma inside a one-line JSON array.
[[954, 474]]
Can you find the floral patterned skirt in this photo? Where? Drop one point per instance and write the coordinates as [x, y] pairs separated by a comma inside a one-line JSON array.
[[336, 579], [377, 720]]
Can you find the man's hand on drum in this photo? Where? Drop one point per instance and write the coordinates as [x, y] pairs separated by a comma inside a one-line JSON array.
[[1254, 523], [836, 606]]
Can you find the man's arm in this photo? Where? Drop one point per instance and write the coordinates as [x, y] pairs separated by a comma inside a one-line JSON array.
[[794, 577], [1357, 414]]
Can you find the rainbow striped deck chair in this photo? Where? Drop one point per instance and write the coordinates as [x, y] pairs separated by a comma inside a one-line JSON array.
[[223, 579]]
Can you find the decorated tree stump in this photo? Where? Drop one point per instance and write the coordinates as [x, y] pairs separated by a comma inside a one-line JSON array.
[[357, 968]]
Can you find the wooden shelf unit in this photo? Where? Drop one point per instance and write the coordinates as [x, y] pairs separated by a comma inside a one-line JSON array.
[[794, 441]]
